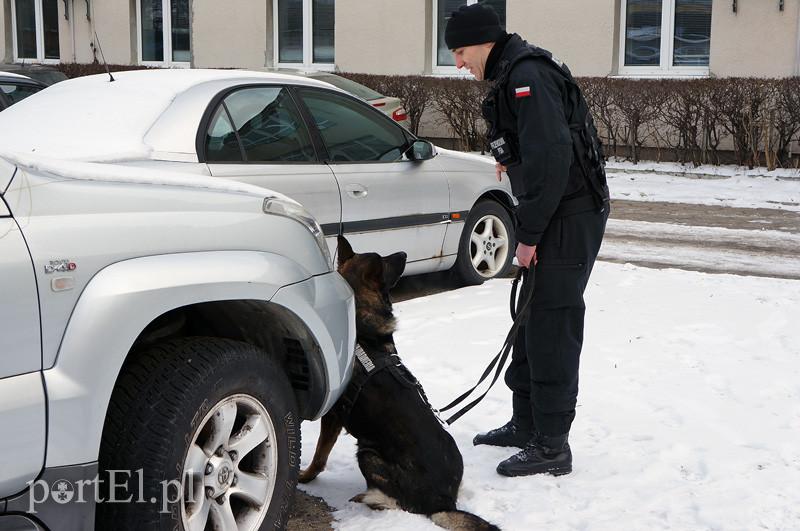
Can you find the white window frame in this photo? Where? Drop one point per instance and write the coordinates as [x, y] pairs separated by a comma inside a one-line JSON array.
[[308, 63], [166, 13], [39, 14], [444, 71], [665, 69]]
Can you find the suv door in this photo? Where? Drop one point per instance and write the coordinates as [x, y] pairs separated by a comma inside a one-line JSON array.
[[389, 203], [257, 135], [22, 402]]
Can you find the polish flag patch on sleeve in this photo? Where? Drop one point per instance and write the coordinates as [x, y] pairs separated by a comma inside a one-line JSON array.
[[522, 92]]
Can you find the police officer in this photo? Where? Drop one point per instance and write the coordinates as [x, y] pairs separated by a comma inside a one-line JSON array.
[[542, 134]]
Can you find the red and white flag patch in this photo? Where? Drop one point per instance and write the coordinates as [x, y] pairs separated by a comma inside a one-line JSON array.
[[522, 92]]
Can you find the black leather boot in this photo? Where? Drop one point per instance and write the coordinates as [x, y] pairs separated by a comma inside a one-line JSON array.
[[513, 433], [542, 455]]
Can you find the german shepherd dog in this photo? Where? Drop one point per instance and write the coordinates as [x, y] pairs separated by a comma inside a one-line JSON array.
[[409, 461]]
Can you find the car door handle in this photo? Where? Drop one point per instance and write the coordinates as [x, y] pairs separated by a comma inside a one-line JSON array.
[[356, 191]]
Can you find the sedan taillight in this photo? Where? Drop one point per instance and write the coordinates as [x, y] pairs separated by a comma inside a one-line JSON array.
[[399, 115]]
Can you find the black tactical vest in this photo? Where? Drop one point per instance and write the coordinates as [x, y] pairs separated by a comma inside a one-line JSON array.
[[503, 139]]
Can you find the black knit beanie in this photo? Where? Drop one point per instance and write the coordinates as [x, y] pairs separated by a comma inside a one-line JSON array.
[[475, 24]]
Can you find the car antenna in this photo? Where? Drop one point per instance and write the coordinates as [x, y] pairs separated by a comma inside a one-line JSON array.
[[103, 57]]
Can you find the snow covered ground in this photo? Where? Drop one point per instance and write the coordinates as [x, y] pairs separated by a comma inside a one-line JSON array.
[[748, 252], [689, 410], [732, 186], [688, 415], [725, 185], [703, 171]]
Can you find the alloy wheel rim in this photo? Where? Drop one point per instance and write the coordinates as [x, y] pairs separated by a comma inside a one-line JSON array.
[[489, 246], [230, 469]]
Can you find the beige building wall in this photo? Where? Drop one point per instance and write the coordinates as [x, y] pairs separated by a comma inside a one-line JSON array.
[[116, 28], [5, 31], [579, 32], [757, 40], [66, 48], [383, 36], [114, 22], [226, 35]]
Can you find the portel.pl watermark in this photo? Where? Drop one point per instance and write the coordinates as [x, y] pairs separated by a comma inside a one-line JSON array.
[[118, 490]]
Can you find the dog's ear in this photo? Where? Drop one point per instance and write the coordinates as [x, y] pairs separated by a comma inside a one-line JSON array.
[[343, 250], [393, 267]]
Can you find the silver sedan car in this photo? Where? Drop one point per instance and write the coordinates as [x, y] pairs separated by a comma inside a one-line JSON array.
[[355, 169]]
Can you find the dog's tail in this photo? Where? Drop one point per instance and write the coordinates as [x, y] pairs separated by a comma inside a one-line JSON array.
[[462, 521]]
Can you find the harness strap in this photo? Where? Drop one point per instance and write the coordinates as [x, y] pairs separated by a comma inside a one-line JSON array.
[[366, 368], [363, 370]]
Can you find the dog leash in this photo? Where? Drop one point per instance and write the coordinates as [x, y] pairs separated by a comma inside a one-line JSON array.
[[518, 313]]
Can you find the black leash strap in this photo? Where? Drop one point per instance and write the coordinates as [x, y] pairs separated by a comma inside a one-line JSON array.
[[518, 313]]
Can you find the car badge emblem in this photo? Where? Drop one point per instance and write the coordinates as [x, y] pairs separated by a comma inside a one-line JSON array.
[[59, 266]]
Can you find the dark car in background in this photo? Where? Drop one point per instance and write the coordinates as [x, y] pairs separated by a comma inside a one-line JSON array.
[[44, 74], [14, 88]]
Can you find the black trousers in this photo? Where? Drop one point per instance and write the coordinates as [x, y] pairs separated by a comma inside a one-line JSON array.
[[543, 373]]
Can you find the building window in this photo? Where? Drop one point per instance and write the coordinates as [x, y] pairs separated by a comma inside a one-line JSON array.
[[443, 58], [35, 30], [665, 37], [164, 32], [304, 33]]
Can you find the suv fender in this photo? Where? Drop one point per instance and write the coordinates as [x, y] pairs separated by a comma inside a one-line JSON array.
[[113, 310]]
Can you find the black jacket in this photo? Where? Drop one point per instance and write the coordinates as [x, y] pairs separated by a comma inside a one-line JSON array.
[[534, 101]]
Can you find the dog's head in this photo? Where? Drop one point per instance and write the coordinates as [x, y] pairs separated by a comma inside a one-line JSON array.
[[371, 276]]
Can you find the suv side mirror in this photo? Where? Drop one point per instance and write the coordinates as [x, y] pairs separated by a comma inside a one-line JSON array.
[[421, 150]]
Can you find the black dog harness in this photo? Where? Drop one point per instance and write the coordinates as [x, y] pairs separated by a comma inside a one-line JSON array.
[[366, 368]]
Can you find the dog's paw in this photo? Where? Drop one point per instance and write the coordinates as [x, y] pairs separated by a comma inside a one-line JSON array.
[[358, 498], [376, 500], [307, 475]]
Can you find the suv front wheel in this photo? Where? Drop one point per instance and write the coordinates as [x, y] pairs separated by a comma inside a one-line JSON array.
[[206, 433]]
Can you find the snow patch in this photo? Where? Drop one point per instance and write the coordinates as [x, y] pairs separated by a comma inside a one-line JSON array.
[[688, 415]]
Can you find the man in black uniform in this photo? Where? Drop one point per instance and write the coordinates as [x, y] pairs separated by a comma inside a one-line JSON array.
[[542, 134]]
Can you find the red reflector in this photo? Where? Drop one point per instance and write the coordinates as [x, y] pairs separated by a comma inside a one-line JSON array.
[[399, 115], [379, 104]]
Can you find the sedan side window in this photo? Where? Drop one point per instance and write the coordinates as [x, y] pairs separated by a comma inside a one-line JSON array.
[[222, 143], [16, 93], [265, 122], [353, 131]]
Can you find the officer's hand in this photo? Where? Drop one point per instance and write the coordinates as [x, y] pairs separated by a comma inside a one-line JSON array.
[[499, 169], [526, 253]]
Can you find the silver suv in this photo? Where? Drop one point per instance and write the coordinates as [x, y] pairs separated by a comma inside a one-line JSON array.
[[161, 338]]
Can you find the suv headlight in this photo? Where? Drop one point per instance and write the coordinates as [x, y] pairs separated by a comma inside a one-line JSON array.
[[286, 207]]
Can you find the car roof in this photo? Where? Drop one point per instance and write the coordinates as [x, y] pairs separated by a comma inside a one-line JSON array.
[[44, 74], [11, 76], [143, 114]]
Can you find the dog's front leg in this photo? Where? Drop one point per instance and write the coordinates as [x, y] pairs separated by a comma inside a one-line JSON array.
[[328, 434]]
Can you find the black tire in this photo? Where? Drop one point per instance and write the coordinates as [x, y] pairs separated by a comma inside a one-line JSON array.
[[468, 274], [161, 400]]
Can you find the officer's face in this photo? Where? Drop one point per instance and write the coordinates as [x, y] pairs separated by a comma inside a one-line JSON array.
[[473, 58]]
